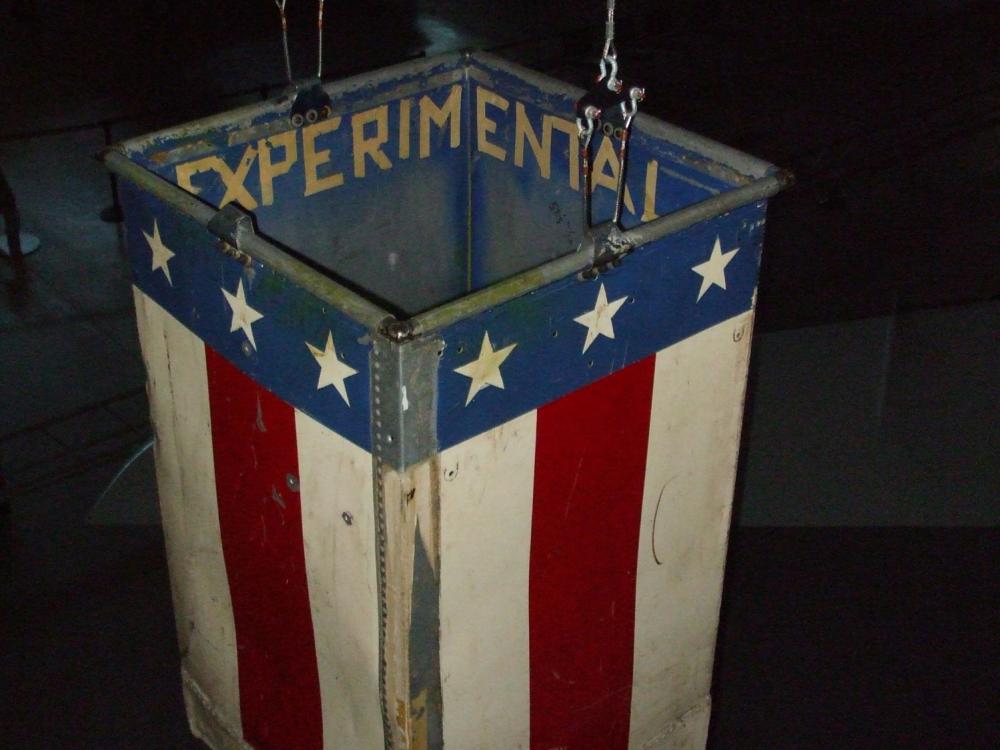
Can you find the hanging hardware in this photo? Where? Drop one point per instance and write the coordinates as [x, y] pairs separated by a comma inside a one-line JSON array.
[[609, 107], [311, 103]]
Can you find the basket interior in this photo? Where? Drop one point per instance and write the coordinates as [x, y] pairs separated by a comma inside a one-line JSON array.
[[422, 186]]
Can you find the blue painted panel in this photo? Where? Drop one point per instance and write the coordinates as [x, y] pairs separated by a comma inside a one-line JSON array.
[[281, 362], [547, 362], [426, 223], [521, 217], [391, 221]]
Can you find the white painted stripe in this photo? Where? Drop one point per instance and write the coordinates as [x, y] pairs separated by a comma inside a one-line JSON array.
[[335, 477], [697, 412], [185, 474], [486, 490]]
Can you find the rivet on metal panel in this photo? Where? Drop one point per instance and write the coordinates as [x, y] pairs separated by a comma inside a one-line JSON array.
[[292, 481], [348, 518], [246, 348]]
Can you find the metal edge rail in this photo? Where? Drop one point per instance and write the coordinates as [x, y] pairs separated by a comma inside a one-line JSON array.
[[323, 287], [565, 265], [757, 190]]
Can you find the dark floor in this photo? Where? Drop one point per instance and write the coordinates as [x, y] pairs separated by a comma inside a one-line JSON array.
[[874, 392], [859, 638]]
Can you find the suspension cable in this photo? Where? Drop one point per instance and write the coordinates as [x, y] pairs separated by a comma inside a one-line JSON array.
[[319, 29], [611, 108], [609, 31], [284, 37]]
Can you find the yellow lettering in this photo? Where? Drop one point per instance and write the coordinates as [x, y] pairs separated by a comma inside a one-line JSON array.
[[649, 201], [541, 148], [232, 179], [235, 189], [270, 169], [312, 159], [188, 170], [449, 112], [404, 128], [608, 159], [484, 125], [370, 146], [572, 150]]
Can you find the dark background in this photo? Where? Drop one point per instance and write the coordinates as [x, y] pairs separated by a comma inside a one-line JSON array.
[[860, 607]]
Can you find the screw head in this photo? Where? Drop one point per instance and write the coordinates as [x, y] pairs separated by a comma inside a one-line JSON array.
[[398, 330], [348, 518]]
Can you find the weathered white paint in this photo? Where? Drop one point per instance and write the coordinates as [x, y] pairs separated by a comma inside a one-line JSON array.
[[401, 534], [335, 477], [486, 487], [697, 411], [486, 492], [185, 474], [205, 722], [688, 732]]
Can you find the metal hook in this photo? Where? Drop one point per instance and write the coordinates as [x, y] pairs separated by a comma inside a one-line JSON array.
[[613, 82]]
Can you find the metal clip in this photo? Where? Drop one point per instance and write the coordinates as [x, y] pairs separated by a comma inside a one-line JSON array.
[[233, 225]]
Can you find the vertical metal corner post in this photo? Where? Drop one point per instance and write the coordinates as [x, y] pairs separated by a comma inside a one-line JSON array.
[[404, 446]]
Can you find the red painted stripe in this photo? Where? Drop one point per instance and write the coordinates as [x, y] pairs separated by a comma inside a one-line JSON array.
[[590, 465], [253, 438]]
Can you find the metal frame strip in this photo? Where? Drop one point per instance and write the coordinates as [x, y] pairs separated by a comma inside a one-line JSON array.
[[258, 248], [761, 179], [444, 315]]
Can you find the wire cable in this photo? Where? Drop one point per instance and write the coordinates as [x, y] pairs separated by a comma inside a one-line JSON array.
[[284, 36]]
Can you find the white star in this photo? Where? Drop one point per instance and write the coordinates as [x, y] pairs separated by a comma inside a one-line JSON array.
[[713, 270], [331, 370], [244, 316], [161, 253], [485, 369], [598, 321]]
